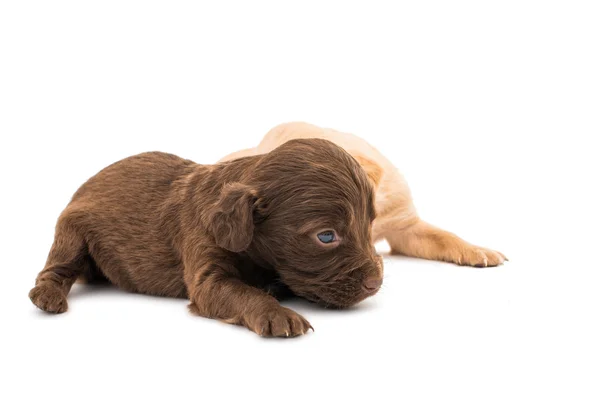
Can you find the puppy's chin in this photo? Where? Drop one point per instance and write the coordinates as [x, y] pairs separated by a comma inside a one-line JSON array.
[[326, 300]]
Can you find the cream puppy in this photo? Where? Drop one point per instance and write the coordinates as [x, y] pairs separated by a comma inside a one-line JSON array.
[[397, 220]]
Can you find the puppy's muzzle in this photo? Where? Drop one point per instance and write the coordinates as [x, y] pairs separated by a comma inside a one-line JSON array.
[[371, 285], [372, 282]]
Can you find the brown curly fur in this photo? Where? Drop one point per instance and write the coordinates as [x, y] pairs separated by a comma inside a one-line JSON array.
[[231, 237]]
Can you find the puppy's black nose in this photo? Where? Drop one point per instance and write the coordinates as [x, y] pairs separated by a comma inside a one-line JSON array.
[[372, 284]]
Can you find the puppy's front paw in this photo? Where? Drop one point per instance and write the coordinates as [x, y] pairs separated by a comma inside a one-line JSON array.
[[279, 322], [49, 298], [479, 257]]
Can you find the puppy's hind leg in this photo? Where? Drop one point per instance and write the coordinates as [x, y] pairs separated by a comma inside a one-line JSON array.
[[422, 240], [64, 265]]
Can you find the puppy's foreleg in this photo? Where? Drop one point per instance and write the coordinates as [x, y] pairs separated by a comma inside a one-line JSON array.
[[216, 291], [64, 265], [422, 240]]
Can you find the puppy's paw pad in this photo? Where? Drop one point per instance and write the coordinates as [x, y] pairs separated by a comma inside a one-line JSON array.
[[280, 322], [49, 298]]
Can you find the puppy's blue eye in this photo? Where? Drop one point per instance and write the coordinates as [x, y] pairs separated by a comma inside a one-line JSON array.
[[326, 236]]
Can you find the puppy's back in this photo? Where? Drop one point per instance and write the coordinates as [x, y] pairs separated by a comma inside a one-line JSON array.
[[147, 175]]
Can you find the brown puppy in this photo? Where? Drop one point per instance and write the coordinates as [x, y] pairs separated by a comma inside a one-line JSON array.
[[230, 237]]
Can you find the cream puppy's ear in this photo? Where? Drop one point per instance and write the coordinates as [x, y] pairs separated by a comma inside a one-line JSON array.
[[373, 170]]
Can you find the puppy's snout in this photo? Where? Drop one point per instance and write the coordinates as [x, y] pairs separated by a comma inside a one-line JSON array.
[[372, 284]]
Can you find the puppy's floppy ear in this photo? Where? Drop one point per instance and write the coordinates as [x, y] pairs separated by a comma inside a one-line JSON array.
[[373, 170], [232, 221]]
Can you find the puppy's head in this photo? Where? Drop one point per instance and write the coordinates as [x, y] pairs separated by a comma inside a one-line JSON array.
[[307, 210]]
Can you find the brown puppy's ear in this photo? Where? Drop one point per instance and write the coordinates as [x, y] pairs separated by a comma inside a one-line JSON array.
[[373, 170], [232, 222]]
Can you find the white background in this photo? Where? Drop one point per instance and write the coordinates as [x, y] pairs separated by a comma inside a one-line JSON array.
[[491, 110]]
